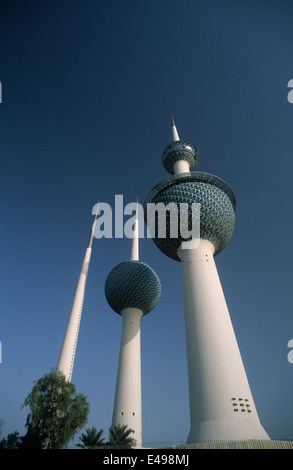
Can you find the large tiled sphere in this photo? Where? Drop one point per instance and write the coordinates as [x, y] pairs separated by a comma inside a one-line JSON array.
[[217, 209], [132, 284]]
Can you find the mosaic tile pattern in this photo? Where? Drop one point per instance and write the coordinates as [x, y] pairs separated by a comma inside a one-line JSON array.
[[179, 150], [132, 284], [217, 216]]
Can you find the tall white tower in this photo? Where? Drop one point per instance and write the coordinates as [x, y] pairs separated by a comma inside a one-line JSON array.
[[67, 354], [221, 403], [132, 290]]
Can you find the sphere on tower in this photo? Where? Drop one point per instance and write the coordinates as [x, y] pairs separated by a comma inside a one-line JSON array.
[[177, 151], [132, 284], [188, 187], [217, 209]]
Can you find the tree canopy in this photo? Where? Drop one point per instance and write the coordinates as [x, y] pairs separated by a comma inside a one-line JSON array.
[[91, 439], [57, 412], [119, 437]]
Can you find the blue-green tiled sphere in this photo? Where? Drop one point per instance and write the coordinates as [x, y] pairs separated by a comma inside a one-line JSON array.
[[132, 284], [179, 150], [217, 209]]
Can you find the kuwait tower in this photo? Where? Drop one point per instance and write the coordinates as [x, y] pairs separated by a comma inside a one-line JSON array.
[[132, 290], [220, 399]]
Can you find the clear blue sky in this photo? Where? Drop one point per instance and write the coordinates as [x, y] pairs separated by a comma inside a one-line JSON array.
[[88, 88]]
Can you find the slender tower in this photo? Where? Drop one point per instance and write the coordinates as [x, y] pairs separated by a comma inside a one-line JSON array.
[[221, 403], [132, 290], [67, 355]]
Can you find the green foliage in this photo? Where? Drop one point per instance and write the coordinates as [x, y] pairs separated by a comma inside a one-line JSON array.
[[119, 437], [57, 412], [11, 441], [91, 439]]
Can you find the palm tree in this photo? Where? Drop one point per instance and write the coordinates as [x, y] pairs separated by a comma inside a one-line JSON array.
[[119, 437], [12, 441], [91, 439]]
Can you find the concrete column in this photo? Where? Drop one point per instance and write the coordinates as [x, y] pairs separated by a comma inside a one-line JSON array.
[[127, 403], [67, 355], [181, 166], [221, 404]]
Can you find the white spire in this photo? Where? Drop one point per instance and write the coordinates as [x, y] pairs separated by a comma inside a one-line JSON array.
[[134, 249], [67, 354], [93, 228], [174, 130]]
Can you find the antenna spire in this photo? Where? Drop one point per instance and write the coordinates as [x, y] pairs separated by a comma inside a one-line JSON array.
[[93, 228], [174, 130]]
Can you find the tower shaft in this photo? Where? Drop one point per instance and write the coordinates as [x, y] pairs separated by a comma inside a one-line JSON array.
[[221, 403], [181, 167], [127, 403], [67, 355]]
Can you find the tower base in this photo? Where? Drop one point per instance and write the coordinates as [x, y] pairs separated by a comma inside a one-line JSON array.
[[226, 430], [243, 444]]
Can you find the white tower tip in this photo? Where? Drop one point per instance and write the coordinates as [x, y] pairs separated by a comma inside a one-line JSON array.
[[93, 228], [174, 130]]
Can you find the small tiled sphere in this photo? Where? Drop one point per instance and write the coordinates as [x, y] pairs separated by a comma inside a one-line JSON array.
[[132, 284], [179, 150]]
